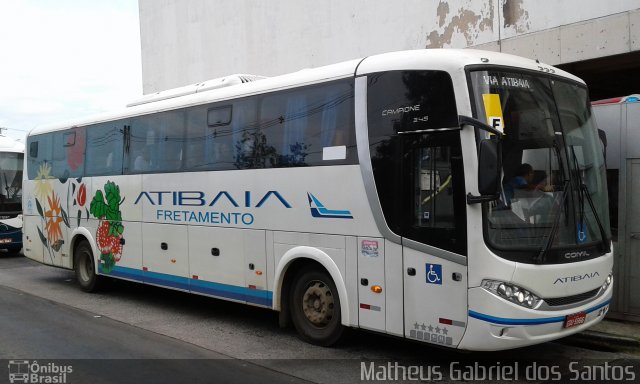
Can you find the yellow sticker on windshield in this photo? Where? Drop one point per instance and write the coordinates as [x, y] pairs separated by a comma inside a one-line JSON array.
[[493, 110]]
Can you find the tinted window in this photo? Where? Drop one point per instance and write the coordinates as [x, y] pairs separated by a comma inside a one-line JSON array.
[[40, 147], [155, 143], [219, 146], [411, 101], [309, 126], [74, 142], [11, 182], [105, 143], [68, 153], [219, 116]]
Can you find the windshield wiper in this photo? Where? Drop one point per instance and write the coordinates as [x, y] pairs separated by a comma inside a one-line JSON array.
[[603, 234], [583, 192], [554, 228]]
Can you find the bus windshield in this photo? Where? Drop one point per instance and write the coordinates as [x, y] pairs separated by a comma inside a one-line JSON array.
[[11, 182], [553, 204]]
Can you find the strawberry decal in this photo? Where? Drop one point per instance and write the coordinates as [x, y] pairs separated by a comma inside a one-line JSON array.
[[106, 208]]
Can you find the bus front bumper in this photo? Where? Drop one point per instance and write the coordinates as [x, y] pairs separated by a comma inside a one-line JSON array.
[[497, 324]]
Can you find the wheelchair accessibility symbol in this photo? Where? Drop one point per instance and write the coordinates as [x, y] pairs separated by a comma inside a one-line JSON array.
[[581, 233], [434, 274]]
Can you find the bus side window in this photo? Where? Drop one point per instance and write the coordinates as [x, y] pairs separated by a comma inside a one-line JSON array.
[[155, 142], [298, 125], [104, 148], [243, 147], [68, 153], [40, 147], [59, 159], [198, 139]]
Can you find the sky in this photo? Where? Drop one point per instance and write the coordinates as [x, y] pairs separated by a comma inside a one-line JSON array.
[[65, 59]]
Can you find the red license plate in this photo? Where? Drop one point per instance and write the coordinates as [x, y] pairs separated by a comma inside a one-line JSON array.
[[575, 319]]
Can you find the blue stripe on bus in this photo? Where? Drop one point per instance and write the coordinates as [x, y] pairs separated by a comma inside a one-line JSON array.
[[254, 296], [544, 320], [125, 273]]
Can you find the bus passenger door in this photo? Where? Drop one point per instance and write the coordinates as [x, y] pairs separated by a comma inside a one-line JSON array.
[[432, 219]]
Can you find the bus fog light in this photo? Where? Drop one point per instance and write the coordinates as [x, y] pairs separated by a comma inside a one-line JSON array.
[[512, 293]]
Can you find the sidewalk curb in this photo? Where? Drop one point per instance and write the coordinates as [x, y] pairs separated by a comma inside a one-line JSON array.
[[606, 339]]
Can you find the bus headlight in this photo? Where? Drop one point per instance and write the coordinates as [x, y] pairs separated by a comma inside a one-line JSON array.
[[512, 292], [607, 281]]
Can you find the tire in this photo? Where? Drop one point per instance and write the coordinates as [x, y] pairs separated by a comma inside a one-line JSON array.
[[85, 268], [315, 307]]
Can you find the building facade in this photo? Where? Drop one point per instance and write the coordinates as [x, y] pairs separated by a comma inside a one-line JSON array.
[[188, 41]]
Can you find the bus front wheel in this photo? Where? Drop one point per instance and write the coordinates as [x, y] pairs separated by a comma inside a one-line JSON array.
[[85, 268], [315, 307]]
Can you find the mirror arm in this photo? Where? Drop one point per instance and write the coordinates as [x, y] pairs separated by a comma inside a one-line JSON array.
[[472, 199], [466, 120]]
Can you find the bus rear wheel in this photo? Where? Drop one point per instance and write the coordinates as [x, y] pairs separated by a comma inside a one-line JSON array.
[[85, 268], [315, 307]]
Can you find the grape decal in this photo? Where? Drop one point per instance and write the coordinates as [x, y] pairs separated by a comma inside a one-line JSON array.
[[106, 208]]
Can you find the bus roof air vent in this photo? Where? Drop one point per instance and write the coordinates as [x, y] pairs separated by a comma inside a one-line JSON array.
[[208, 85]]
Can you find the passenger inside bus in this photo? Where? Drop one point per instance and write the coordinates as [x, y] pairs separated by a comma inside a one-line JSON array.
[[521, 181], [525, 179], [141, 162]]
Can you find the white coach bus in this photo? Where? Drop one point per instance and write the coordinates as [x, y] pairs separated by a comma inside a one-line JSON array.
[[451, 197]]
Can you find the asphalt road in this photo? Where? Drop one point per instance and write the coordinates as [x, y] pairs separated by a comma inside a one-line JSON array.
[[111, 351], [153, 331]]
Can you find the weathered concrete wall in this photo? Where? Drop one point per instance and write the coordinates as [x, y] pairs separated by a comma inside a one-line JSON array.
[[186, 41]]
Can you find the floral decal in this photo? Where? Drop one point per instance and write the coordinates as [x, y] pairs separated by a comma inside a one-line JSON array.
[[43, 181], [53, 218], [51, 212], [81, 198], [53, 205], [106, 207]]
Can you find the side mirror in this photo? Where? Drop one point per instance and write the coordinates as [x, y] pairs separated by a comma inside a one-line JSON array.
[[489, 172], [489, 163], [489, 167]]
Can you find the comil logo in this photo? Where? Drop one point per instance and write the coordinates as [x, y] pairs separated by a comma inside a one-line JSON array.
[[24, 371], [576, 255]]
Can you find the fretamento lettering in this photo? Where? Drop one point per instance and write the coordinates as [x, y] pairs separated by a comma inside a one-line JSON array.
[[211, 217]]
